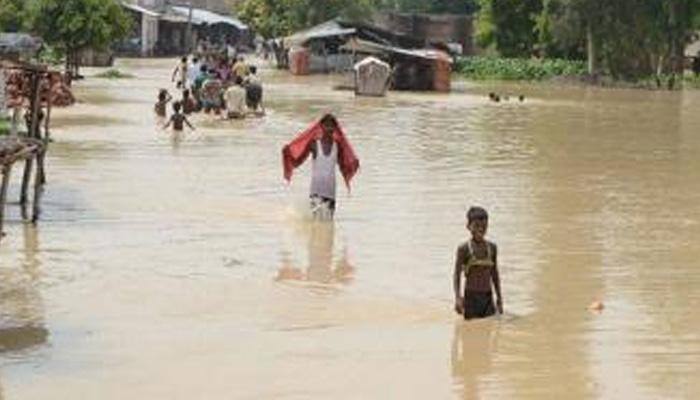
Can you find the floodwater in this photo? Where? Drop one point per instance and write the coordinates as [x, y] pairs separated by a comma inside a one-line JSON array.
[[183, 267]]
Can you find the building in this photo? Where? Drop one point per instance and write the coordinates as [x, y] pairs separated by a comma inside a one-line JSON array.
[[163, 28], [336, 46]]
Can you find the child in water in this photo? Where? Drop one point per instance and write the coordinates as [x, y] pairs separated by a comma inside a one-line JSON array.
[[189, 105], [477, 262], [163, 100], [177, 119]]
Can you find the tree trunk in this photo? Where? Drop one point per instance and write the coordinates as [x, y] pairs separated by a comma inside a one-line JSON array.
[[591, 50], [68, 63]]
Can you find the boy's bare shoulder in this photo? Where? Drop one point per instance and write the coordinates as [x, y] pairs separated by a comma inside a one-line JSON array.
[[463, 248]]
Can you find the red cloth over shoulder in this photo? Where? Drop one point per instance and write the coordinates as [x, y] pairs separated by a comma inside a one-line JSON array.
[[297, 151]]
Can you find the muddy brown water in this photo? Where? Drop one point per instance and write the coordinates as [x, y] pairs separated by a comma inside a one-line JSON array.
[[182, 267]]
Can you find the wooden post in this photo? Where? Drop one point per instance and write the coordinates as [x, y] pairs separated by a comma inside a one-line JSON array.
[[33, 133], [26, 178], [46, 139], [47, 119], [38, 186], [35, 103], [6, 169]]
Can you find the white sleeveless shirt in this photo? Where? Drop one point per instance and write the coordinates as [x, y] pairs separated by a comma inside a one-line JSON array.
[[323, 171]]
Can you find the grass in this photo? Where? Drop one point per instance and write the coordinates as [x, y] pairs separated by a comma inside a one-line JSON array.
[[114, 74], [517, 69], [691, 81], [4, 126]]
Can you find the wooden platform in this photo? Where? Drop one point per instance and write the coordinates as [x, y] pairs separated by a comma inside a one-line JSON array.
[[16, 149], [28, 149]]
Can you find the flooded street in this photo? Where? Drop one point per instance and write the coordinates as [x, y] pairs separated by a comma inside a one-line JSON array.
[[183, 267]]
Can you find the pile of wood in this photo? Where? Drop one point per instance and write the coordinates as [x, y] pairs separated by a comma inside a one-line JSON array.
[[54, 89]]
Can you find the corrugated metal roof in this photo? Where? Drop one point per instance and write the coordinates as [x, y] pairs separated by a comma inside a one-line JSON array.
[[327, 29], [141, 10], [200, 16], [376, 48]]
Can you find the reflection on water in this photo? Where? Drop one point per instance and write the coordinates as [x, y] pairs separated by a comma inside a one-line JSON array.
[[474, 344], [320, 267], [21, 308], [593, 195]]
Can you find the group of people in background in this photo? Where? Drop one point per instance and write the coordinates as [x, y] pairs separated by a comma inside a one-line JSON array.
[[217, 85]]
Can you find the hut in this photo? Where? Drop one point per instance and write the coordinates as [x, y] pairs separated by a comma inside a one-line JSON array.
[[372, 77], [336, 46], [163, 28], [413, 69]]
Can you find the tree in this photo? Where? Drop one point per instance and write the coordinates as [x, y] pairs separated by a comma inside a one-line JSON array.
[[274, 18], [434, 6], [509, 25], [71, 26], [12, 15]]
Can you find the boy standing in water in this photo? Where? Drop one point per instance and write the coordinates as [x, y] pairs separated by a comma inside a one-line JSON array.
[[180, 72], [163, 100], [477, 261], [178, 119]]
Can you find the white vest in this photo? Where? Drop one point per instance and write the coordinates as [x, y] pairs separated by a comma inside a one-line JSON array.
[[323, 171]]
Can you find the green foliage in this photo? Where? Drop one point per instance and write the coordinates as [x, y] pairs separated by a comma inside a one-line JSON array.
[[73, 25], [509, 25], [114, 74], [4, 126], [434, 6], [494, 68], [12, 15], [692, 81], [50, 56], [629, 39], [275, 18]]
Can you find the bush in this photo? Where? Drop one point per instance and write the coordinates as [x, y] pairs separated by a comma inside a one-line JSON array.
[[114, 74], [486, 68], [692, 81], [49, 55], [4, 126]]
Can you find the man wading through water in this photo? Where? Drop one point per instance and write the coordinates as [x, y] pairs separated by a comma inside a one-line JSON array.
[[477, 261], [327, 143]]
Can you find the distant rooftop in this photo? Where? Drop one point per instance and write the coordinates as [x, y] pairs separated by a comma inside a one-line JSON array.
[[19, 42]]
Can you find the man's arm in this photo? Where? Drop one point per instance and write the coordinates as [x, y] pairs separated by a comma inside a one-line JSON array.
[[497, 281], [457, 280]]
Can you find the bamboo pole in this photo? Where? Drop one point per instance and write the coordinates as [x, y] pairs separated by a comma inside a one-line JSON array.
[[46, 140], [47, 120], [39, 177], [26, 178], [36, 105], [33, 133], [6, 169], [38, 188]]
